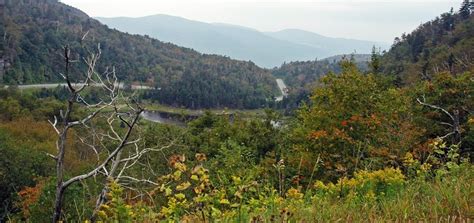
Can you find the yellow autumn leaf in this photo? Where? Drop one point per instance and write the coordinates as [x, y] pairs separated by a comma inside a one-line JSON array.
[[183, 186], [168, 191], [180, 196], [224, 201], [177, 175]]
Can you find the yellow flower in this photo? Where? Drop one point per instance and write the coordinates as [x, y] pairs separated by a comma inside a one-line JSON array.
[[470, 121], [370, 195], [408, 159], [102, 214], [294, 193], [320, 185], [236, 180], [425, 167]]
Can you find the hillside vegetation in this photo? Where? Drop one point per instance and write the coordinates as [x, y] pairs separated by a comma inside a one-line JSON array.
[[37, 31], [443, 44], [302, 76]]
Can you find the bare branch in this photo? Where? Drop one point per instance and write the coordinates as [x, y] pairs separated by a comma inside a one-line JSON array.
[[435, 107], [129, 178], [51, 155], [55, 125], [88, 118], [109, 158]]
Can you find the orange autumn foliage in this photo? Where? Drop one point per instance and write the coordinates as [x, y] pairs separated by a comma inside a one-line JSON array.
[[29, 196], [318, 134]]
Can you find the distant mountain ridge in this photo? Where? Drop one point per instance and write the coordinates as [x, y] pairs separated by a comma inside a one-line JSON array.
[[266, 49], [333, 45]]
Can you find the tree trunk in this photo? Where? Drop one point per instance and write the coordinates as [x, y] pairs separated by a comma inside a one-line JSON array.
[[60, 174], [58, 203]]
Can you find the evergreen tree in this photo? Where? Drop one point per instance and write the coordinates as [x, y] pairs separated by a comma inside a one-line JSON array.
[[375, 60], [465, 10]]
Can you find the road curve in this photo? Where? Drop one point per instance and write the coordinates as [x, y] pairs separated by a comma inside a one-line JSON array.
[[32, 86], [283, 89]]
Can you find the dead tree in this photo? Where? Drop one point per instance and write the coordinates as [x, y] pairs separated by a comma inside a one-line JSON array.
[[116, 109], [123, 161], [454, 126]]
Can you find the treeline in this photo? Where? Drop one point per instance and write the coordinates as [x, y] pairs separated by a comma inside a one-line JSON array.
[[302, 76], [37, 31], [204, 88], [443, 44]]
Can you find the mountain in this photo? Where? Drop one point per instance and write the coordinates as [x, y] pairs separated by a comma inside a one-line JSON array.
[[332, 46], [445, 44], [233, 41], [36, 32], [265, 49]]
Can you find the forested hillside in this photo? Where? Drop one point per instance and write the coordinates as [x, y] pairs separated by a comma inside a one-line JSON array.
[[37, 31], [443, 44], [302, 76]]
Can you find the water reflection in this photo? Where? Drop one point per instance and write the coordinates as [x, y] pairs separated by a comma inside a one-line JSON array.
[[165, 118]]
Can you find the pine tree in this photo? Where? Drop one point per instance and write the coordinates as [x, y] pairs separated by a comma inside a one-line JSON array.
[[375, 60], [465, 10]]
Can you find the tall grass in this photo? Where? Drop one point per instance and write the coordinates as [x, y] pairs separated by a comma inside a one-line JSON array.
[[446, 199]]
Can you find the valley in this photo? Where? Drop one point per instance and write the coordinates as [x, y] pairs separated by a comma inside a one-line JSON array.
[[190, 121]]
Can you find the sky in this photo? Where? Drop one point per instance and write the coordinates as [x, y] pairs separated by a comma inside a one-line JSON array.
[[381, 20]]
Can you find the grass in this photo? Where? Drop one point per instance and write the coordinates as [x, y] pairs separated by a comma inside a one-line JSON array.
[[448, 199]]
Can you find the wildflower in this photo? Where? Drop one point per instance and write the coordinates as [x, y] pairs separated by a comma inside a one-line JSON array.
[[470, 121], [344, 123], [294, 193], [425, 167], [370, 195], [408, 160], [319, 185], [236, 180], [102, 214]]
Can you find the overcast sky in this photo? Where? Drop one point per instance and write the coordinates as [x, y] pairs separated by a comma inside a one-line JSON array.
[[358, 19]]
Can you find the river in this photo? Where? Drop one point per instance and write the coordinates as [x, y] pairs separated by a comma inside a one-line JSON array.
[[167, 118]]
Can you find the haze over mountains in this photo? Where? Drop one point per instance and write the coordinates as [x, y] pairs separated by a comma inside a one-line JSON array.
[[266, 49]]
